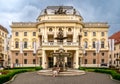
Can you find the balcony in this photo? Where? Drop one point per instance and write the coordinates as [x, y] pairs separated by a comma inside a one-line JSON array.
[[57, 44]]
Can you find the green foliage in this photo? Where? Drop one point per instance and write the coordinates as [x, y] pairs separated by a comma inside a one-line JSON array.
[[5, 78], [38, 68], [113, 73], [11, 72]]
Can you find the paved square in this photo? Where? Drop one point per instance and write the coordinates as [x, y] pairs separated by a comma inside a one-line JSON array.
[[89, 78]]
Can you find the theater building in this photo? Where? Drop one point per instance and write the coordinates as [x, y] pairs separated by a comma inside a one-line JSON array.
[[51, 20]]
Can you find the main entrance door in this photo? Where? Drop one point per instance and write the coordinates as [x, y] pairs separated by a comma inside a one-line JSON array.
[[50, 62], [70, 62]]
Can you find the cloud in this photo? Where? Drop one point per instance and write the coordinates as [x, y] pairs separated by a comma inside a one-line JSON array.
[[91, 10]]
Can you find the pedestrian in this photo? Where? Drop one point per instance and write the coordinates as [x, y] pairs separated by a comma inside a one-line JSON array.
[[55, 71]]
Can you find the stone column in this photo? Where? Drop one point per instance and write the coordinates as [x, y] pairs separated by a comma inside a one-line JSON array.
[[43, 59], [64, 34], [76, 59], [54, 59], [55, 35]]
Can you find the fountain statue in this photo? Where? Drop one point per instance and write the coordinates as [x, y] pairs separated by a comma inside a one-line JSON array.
[[61, 54]]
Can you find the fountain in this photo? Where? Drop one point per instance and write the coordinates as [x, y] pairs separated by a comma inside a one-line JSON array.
[[61, 54]]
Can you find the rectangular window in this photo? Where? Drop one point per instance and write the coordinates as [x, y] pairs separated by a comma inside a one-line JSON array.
[[33, 54], [25, 61], [16, 61], [102, 61], [25, 54], [94, 61], [85, 61], [25, 33], [16, 54], [94, 33], [102, 34], [34, 61], [94, 54], [102, 44], [85, 33], [34, 33], [103, 54], [16, 34]]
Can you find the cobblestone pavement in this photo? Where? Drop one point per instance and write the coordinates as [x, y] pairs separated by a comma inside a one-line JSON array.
[[89, 78]]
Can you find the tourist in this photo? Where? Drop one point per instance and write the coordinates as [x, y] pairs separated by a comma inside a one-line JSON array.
[[55, 71]]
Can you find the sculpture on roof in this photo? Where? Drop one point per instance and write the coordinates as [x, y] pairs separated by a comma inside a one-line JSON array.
[[60, 10]]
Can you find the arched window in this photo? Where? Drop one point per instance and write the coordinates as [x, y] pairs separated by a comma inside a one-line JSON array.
[[69, 29], [25, 44], [16, 44], [102, 44], [86, 44], [50, 29], [93, 44]]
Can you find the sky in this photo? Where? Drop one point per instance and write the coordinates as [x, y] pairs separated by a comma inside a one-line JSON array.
[[90, 10]]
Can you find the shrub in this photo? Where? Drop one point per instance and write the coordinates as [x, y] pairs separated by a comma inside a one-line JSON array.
[[7, 77], [38, 68], [113, 73]]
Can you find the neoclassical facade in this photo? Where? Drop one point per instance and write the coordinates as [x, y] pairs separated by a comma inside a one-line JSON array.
[[3, 46], [45, 29]]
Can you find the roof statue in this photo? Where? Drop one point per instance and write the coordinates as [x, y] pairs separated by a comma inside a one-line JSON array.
[[60, 11]]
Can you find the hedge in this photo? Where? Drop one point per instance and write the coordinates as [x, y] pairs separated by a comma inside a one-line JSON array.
[[113, 73], [7, 77], [14, 71]]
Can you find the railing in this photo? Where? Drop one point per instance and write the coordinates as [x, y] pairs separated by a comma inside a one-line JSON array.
[[57, 44]]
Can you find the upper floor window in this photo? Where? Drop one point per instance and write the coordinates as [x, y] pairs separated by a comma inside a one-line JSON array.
[[94, 33], [16, 54], [102, 34], [16, 34], [103, 54], [25, 44], [50, 29], [25, 54], [93, 44], [25, 33], [34, 33], [16, 44], [86, 44], [69, 29], [94, 54], [85, 33], [102, 44]]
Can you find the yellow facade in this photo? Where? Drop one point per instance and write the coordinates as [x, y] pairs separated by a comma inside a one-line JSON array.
[[47, 26]]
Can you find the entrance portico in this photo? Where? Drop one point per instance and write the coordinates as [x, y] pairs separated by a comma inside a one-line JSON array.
[[49, 61]]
